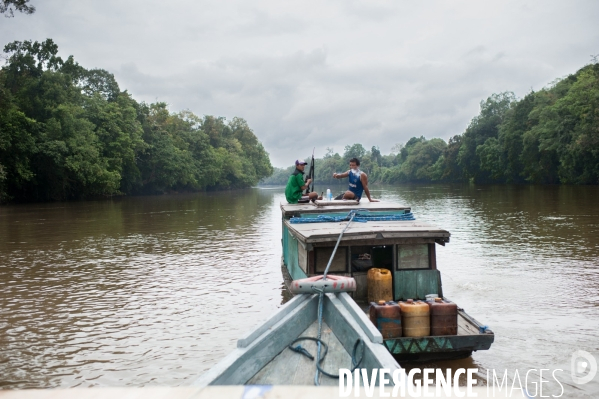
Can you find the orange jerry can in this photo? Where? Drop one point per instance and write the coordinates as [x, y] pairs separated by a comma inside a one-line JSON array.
[[386, 316], [415, 318], [380, 287], [444, 317]]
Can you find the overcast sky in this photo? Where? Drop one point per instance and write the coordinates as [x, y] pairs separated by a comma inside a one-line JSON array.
[[322, 73]]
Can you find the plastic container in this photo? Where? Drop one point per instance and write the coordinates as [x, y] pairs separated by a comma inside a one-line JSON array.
[[430, 298], [386, 316], [444, 317], [415, 318], [370, 284], [380, 287], [329, 195]]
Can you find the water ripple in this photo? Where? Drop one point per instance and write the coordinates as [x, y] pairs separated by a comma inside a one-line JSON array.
[[155, 290]]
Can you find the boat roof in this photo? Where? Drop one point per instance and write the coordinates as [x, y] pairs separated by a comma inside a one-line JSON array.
[[383, 229], [329, 231], [290, 210]]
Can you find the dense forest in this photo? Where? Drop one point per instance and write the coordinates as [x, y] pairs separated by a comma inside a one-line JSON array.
[[67, 132], [548, 137]]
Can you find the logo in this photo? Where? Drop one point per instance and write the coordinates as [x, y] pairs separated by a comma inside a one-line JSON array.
[[584, 367]]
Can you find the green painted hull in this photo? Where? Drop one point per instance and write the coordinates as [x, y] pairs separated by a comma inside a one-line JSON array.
[[450, 343]]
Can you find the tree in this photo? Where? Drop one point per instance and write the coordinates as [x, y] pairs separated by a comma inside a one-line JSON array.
[[489, 155], [375, 155], [17, 145], [8, 7], [405, 150], [354, 151], [579, 129], [419, 164], [68, 132], [481, 128], [511, 132]]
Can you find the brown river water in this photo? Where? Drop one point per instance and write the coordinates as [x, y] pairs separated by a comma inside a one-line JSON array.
[[153, 291]]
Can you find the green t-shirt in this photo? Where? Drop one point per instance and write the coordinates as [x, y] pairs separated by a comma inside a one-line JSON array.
[[293, 190]]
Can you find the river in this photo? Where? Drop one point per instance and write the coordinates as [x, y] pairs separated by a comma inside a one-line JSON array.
[[149, 291]]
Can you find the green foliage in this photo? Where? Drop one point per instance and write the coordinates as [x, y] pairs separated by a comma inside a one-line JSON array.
[[67, 132], [419, 161], [8, 7], [354, 151], [483, 127], [547, 137]]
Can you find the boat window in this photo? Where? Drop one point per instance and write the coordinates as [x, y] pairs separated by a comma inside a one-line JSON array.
[[382, 257], [413, 256], [364, 257], [322, 256]]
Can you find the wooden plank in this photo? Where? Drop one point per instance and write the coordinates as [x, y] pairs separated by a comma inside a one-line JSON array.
[[432, 256], [291, 366], [345, 327], [290, 209], [278, 371], [306, 368], [361, 292], [336, 358], [389, 225], [302, 258], [324, 228], [339, 263], [311, 233], [336, 203], [465, 327], [390, 229], [360, 317], [376, 241], [416, 284]]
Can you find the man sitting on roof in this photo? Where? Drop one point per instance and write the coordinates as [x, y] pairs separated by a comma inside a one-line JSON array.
[[358, 182], [296, 186]]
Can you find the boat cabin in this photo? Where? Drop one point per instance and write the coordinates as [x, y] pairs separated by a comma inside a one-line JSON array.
[[405, 247]]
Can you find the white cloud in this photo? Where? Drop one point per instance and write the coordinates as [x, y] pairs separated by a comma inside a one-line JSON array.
[[311, 73]]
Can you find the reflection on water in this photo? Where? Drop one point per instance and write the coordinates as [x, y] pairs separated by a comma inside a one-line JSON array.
[[137, 291], [523, 260], [155, 290]]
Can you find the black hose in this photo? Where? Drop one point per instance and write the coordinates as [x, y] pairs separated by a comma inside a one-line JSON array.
[[303, 351]]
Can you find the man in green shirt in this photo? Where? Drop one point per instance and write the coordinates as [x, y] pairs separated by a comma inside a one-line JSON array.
[[296, 185]]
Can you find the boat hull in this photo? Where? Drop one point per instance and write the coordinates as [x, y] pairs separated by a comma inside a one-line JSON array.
[[261, 346]]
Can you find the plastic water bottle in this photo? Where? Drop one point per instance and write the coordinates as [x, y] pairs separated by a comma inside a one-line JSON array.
[[329, 196]]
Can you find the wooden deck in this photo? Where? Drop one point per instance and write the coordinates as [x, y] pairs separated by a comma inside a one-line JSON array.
[[465, 327], [321, 232], [292, 368], [293, 209]]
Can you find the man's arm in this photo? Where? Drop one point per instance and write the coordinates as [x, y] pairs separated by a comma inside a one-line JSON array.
[[299, 180], [305, 186], [340, 175], [364, 180]]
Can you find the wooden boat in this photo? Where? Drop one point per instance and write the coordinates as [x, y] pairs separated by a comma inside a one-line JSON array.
[[263, 356], [405, 247]]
